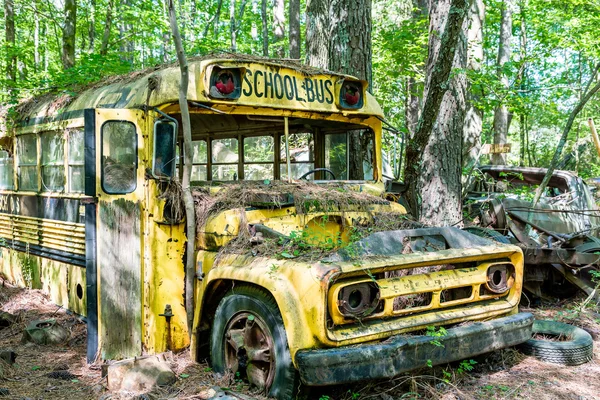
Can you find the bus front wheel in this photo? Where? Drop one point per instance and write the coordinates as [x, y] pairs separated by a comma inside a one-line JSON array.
[[248, 340]]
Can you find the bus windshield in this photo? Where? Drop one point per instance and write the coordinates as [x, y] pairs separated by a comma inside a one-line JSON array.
[[254, 149]]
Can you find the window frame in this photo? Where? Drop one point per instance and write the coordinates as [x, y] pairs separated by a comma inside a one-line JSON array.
[[205, 164], [136, 151], [60, 163], [281, 147], [69, 164], [11, 177], [20, 164], [238, 163], [243, 155]]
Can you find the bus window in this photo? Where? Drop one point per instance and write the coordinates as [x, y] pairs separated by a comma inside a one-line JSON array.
[[302, 150], [259, 156], [164, 148], [225, 159], [199, 160], [76, 162], [336, 154], [119, 158], [27, 158], [6, 170], [53, 162]]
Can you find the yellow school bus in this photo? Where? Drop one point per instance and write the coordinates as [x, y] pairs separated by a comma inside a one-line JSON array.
[[88, 215]]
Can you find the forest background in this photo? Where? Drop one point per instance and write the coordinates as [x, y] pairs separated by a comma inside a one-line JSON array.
[[529, 62]]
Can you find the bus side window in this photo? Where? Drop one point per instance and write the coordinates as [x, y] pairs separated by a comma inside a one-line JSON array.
[[165, 158], [6, 170], [76, 162], [336, 154], [199, 160], [27, 162], [225, 159], [53, 162], [119, 157]]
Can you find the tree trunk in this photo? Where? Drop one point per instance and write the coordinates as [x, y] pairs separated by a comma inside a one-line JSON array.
[[522, 83], [232, 27], [501, 117], [350, 53], [107, 26], [278, 27], [125, 28], [36, 37], [350, 38], [295, 29], [413, 95], [190, 213], [317, 33], [11, 58], [45, 49], [474, 115], [68, 50], [433, 156], [265, 28], [92, 26]]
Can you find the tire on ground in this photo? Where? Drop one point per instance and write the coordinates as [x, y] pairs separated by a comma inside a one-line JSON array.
[[575, 350], [260, 304]]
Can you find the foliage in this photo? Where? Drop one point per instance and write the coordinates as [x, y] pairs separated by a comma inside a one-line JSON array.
[[546, 75]]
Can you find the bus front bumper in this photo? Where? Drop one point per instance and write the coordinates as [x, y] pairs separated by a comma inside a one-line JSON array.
[[403, 353]]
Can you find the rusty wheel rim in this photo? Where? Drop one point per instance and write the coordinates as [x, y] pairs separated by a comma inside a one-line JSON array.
[[249, 350]]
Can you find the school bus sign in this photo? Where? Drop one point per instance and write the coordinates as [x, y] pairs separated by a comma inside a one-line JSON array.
[[278, 86]]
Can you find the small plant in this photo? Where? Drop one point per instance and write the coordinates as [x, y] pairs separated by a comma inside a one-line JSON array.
[[353, 395], [466, 366], [441, 332]]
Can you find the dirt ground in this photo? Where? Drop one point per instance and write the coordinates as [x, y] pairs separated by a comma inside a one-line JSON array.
[[505, 374]]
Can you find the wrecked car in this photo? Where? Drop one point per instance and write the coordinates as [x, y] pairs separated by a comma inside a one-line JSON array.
[[303, 269], [559, 236]]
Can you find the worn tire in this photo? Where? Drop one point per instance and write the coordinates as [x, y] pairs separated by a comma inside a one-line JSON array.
[[577, 350], [250, 299]]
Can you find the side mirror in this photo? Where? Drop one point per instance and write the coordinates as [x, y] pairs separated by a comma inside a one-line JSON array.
[[164, 157]]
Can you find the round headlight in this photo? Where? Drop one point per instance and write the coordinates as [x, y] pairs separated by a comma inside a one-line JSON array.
[[358, 301], [500, 278]]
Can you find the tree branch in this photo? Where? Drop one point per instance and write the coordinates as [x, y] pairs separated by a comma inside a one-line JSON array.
[[563, 140], [190, 212]]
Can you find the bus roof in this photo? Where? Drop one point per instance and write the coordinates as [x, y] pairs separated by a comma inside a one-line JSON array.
[[256, 82]]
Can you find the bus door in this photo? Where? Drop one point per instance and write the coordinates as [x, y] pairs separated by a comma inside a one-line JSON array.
[[115, 166]]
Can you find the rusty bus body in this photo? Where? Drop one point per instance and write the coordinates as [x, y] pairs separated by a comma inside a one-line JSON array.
[[89, 227]]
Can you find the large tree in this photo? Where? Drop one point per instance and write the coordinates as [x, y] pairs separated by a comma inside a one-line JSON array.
[[294, 28], [11, 59], [339, 39], [501, 116], [474, 114], [69, 31], [433, 158]]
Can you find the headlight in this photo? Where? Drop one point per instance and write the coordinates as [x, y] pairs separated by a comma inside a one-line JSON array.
[[358, 301], [500, 278]]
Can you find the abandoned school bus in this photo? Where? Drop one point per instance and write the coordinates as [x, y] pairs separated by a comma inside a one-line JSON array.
[[303, 268]]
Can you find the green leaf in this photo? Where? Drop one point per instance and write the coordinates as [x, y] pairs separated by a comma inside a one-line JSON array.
[[285, 254], [184, 376]]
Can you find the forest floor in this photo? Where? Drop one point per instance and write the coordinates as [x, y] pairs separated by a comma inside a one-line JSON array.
[[503, 374]]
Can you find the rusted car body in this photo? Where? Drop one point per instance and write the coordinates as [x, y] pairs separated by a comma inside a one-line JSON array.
[[559, 236]]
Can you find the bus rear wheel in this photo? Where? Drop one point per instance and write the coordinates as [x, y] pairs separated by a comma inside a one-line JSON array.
[[248, 340]]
